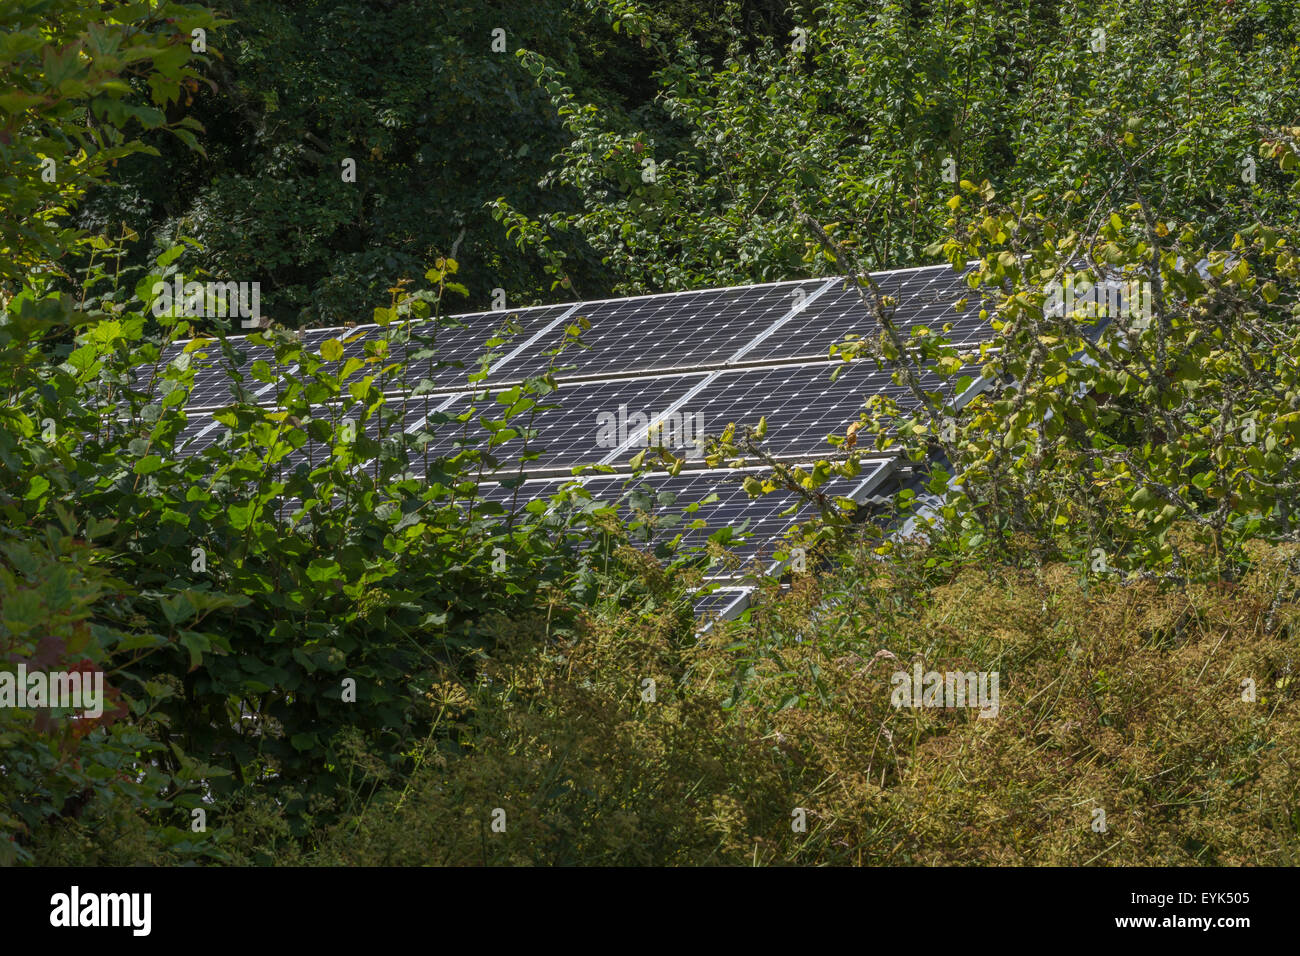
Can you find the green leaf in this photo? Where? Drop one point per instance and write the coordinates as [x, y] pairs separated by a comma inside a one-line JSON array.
[[176, 608], [323, 569], [241, 516], [170, 256], [197, 644], [97, 527], [37, 486]]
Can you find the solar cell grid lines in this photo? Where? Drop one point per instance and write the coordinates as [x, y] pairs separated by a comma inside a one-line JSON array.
[[801, 403], [479, 322], [200, 432], [327, 427], [720, 604], [675, 331], [676, 515]]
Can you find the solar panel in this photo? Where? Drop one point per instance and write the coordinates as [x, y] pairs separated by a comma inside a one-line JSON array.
[[801, 403], [720, 605], [457, 344], [664, 507], [665, 502], [223, 377], [200, 432], [444, 352], [751, 324], [679, 331], [609, 422], [714, 328], [693, 361], [589, 420], [925, 297]]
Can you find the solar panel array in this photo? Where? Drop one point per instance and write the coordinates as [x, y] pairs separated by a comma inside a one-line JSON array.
[[697, 361]]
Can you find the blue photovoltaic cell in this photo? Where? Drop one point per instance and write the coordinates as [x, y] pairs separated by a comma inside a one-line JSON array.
[[761, 520], [753, 325], [589, 421], [678, 331], [223, 376], [660, 502], [593, 422], [926, 297], [801, 403], [456, 344], [659, 512], [199, 432], [721, 604]]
